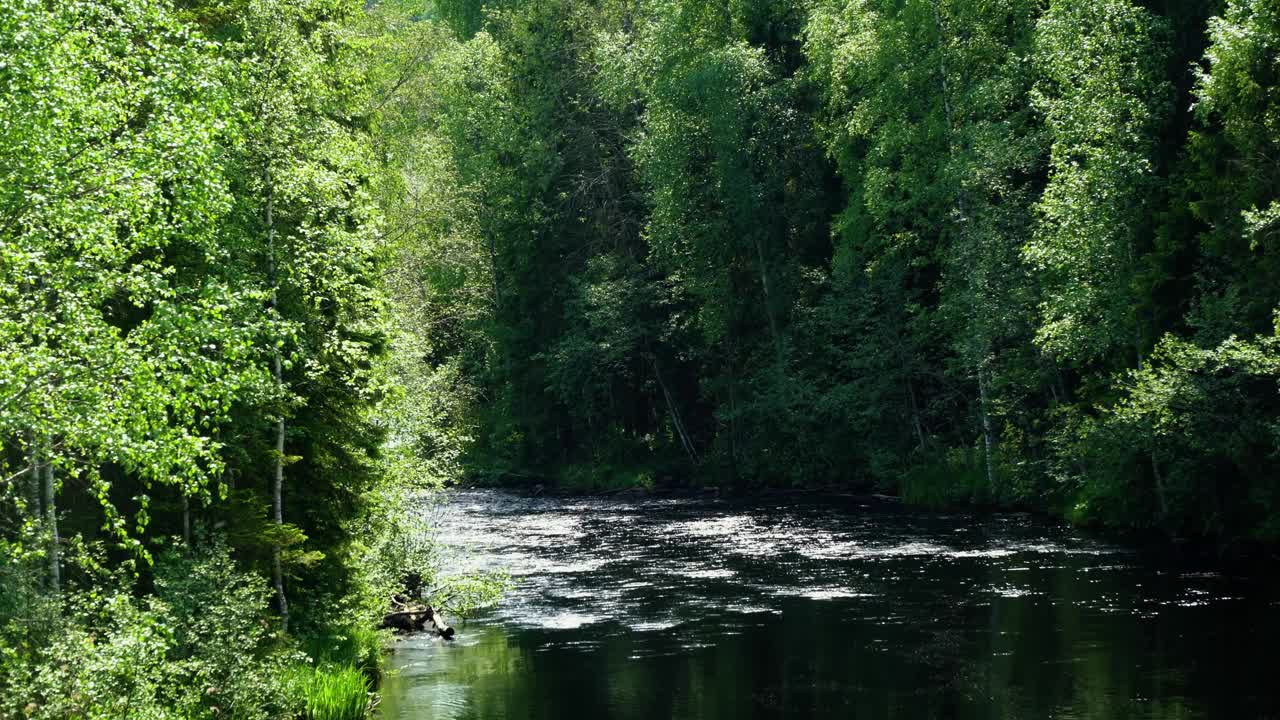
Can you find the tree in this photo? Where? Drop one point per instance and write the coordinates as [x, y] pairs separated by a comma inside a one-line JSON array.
[[109, 355], [1103, 95], [309, 228]]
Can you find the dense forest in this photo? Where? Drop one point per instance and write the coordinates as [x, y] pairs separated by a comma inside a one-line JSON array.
[[204, 509], [270, 270], [1011, 253]]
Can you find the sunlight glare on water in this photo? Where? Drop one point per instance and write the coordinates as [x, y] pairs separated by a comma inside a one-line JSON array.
[[831, 608]]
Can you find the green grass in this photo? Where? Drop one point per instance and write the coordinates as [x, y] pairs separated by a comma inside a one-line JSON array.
[[603, 477], [954, 478], [358, 645], [348, 661], [332, 692]]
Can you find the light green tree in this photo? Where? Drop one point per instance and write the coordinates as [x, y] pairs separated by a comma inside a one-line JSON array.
[[1104, 96]]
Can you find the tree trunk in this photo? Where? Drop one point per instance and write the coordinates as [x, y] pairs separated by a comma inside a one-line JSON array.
[[33, 477], [277, 506], [768, 302], [987, 436], [675, 414], [493, 277], [51, 525], [416, 619], [186, 519], [988, 439], [1060, 384], [942, 70], [1162, 495], [915, 412], [277, 499], [441, 627], [733, 424]]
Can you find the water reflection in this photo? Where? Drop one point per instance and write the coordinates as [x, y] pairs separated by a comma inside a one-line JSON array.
[[683, 609]]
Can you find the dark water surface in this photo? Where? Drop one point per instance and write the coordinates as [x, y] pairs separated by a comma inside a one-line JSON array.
[[831, 609]]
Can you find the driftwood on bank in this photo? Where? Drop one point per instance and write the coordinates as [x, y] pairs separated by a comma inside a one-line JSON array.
[[418, 619]]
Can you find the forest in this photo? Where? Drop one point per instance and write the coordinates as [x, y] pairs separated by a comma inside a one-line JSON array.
[[275, 272], [1011, 253]]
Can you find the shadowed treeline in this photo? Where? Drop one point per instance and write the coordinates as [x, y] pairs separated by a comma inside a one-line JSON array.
[[1011, 253]]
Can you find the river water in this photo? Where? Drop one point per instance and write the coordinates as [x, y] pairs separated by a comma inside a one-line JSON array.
[[830, 608]]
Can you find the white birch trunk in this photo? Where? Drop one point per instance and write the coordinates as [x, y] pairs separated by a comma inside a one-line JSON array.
[[988, 438], [51, 527], [277, 497]]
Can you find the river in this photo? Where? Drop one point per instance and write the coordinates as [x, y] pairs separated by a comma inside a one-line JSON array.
[[830, 608]]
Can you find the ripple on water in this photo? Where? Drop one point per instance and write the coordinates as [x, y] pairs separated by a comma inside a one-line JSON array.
[[654, 625], [902, 550], [562, 621], [708, 574], [542, 566], [732, 525], [604, 580], [831, 594], [984, 554], [1014, 591]]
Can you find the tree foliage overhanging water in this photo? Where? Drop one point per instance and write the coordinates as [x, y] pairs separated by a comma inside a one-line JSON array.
[[267, 268]]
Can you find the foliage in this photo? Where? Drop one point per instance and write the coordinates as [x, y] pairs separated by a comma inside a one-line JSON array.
[[200, 647], [882, 244], [192, 330], [1103, 97], [271, 272], [110, 354]]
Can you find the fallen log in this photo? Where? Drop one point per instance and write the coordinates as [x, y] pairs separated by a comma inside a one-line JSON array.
[[416, 620], [437, 621]]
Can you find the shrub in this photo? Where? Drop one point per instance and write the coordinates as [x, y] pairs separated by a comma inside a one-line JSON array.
[[201, 647]]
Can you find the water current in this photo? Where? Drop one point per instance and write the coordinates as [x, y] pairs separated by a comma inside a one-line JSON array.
[[830, 608]]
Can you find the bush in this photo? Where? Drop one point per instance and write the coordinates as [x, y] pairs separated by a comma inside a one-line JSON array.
[[201, 647]]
